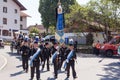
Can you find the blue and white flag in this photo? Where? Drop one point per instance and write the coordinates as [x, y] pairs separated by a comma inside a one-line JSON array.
[[70, 55], [34, 56], [60, 22]]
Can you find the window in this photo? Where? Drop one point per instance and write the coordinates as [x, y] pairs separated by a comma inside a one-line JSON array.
[[15, 10], [4, 20], [4, 9], [21, 18], [5, 0], [15, 21], [21, 27], [5, 32]]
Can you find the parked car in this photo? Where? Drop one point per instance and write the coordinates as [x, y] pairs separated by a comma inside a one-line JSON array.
[[1, 43], [111, 48], [50, 38]]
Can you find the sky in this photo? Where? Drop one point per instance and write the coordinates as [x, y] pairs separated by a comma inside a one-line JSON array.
[[32, 10]]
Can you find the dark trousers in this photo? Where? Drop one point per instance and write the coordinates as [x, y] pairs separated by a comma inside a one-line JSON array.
[[25, 62], [61, 63], [36, 66], [72, 64], [55, 65], [47, 59]]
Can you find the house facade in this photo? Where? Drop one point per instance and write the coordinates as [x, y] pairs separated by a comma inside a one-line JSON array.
[[10, 18]]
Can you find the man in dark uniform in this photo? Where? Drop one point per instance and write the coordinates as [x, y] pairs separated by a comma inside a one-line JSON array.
[[71, 62], [25, 55], [46, 55], [53, 48], [36, 62], [56, 62], [63, 48]]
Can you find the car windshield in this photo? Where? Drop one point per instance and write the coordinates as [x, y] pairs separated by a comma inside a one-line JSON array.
[[115, 41], [49, 36]]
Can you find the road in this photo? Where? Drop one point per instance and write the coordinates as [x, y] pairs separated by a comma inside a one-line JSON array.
[[88, 67]]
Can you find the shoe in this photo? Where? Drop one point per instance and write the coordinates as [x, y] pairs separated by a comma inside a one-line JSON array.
[[75, 77], [26, 71], [55, 77], [31, 78]]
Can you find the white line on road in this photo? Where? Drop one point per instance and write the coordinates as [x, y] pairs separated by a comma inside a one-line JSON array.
[[5, 63]]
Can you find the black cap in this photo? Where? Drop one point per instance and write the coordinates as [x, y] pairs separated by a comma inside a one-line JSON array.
[[25, 40], [54, 42], [71, 45], [46, 43]]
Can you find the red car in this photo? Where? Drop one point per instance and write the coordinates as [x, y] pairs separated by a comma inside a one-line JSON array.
[[109, 49]]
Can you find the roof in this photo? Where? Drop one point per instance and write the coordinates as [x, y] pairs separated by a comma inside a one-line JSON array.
[[24, 14], [20, 5], [41, 27]]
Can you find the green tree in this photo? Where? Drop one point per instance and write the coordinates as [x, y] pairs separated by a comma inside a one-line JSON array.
[[47, 9], [34, 31], [52, 29], [109, 13]]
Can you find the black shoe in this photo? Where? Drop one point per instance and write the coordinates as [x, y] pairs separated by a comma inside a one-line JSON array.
[[26, 71], [38, 79], [75, 77], [48, 70], [55, 77], [31, 78]]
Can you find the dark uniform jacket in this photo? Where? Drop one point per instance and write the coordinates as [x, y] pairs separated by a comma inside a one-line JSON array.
[[53, 50], [46, 53], [68, 52], [62, 52], [32, 52], [25, 50]]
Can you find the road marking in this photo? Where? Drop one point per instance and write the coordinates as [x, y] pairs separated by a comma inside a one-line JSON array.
[[5, 63]]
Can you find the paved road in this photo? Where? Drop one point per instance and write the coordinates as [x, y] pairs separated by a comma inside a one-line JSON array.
[[88, 67]]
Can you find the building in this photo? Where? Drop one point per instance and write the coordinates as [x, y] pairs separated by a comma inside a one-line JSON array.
[[39, 27], [11, 18]]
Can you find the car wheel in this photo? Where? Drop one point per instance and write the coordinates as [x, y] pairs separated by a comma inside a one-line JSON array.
[[109, 53]]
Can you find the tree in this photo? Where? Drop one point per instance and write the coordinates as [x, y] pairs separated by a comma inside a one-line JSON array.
[[52, 29], [109, 11], [47, 8], [34, 30]]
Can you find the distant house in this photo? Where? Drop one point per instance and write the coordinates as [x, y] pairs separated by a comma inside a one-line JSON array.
[[11, 18], [40, 27]]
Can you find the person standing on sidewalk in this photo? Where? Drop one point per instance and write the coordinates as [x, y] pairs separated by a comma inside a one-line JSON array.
[[25, 55]]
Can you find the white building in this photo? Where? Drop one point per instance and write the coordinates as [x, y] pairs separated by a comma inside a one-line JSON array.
[[11, 18]]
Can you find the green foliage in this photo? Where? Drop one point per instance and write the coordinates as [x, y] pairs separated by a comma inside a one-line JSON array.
[[47, 8], [34, 30], [52, 29], [105, 14]]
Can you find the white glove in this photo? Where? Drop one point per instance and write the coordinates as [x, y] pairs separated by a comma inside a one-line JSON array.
[[31, 57], [67, 61]]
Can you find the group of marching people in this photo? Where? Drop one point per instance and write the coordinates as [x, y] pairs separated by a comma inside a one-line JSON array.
[[40, 53]]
